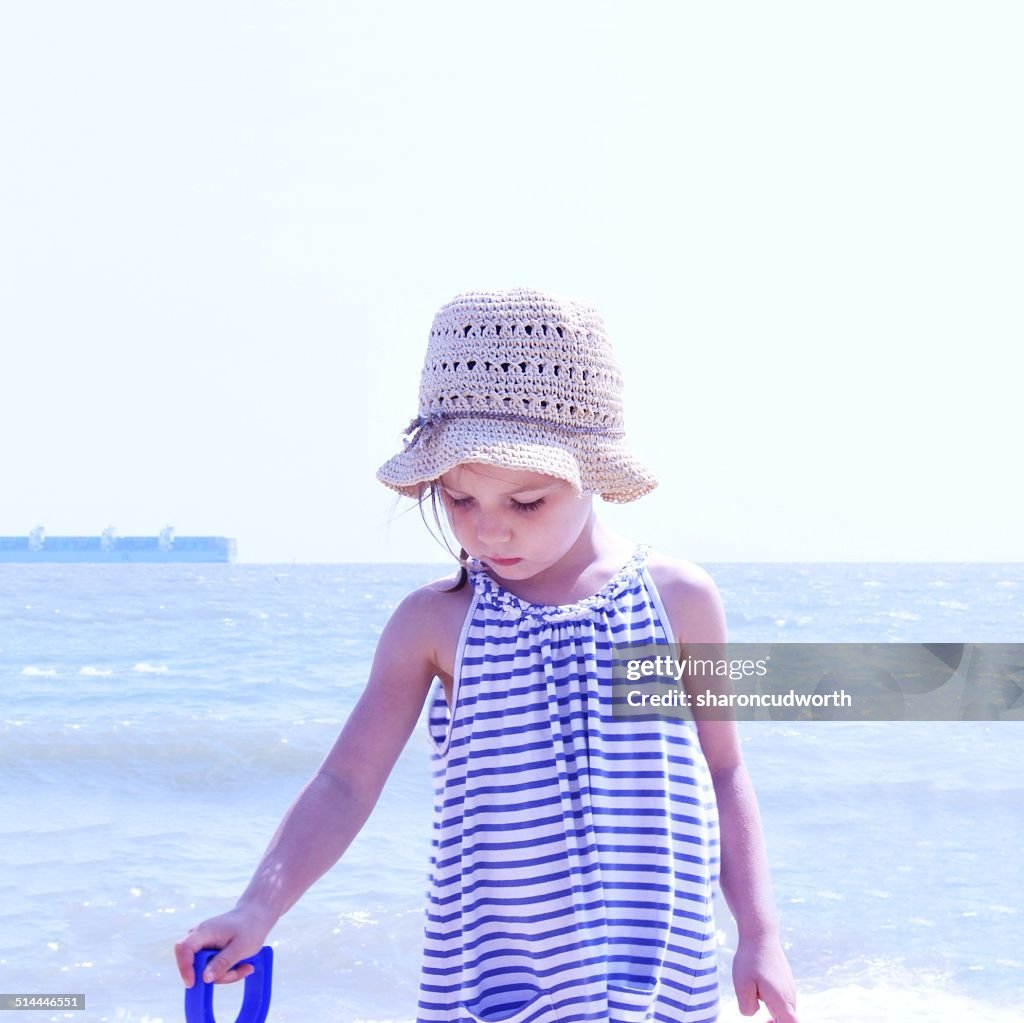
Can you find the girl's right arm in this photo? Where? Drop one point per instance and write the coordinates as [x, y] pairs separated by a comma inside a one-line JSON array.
[[335, 803]]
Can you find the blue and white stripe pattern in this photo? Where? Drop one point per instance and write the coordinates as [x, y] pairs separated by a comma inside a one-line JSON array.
[[574, 854]]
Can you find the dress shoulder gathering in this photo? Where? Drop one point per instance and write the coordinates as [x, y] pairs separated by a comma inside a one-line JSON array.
[[574, 853]]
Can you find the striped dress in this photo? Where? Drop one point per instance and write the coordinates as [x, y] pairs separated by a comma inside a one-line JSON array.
[[574, 855]]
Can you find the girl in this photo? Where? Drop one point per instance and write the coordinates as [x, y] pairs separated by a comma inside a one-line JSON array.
[[575, 854]]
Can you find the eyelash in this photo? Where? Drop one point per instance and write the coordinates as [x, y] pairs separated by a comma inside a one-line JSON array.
[[523, 506], [529, 506]]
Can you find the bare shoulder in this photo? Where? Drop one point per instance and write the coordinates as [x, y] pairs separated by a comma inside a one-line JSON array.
[[691, 599], [433, 605], [430, 618], [694, 608]]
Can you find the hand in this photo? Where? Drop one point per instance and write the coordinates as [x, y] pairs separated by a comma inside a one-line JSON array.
[[238, 934], [760, 972]]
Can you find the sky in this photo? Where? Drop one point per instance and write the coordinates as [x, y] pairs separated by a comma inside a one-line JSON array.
[[225, 229]]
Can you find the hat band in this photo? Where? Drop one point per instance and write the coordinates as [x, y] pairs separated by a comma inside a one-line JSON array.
[[422, 426]]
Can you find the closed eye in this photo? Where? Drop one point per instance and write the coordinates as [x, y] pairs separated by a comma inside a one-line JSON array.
[[523, 506], [528, 506]]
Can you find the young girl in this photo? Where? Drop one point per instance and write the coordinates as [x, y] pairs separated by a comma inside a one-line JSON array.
[[575, 854]]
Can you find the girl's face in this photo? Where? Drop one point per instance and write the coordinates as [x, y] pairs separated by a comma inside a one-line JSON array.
[[518, 522]]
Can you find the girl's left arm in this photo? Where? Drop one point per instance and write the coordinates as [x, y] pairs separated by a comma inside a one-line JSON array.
[[760, 969]]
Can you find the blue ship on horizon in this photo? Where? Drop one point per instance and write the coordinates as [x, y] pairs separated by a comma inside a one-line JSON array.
[[37, 547]]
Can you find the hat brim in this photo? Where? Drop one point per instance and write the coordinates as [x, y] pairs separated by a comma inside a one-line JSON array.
[[589, 462]]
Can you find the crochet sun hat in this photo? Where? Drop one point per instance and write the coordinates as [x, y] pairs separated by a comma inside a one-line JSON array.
[[523, 380]]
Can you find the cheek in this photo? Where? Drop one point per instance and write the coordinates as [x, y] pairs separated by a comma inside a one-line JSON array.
[[559, 527], [576, 515], [575, 510], [461, 522], [454, 516]]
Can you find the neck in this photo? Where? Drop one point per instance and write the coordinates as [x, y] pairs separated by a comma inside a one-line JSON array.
[[596, 555]]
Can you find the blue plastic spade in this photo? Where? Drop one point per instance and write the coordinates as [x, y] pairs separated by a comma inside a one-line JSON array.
[[255, 998]]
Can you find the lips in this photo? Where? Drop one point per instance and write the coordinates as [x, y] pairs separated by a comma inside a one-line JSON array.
[[503, 562]]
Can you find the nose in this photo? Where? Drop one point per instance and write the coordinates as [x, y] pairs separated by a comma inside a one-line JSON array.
[[492, 529]]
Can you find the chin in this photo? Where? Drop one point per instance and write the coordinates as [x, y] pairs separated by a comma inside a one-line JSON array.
[[521, 569], [497, 566]]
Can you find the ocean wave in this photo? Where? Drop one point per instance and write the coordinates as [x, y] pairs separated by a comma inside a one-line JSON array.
[[190, 747]]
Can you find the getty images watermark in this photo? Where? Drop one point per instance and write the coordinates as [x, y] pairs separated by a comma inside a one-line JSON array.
[[821, 681]]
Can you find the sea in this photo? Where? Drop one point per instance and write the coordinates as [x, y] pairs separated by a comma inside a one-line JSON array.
[[157, 721]]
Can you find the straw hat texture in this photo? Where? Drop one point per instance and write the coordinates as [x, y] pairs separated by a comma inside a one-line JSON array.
[[525, 380]]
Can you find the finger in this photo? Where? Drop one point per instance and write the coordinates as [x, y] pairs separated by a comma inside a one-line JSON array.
[[217, 967], [747, 1000], [184, 955], [783, 1009], [223, 963], [237, 974]]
